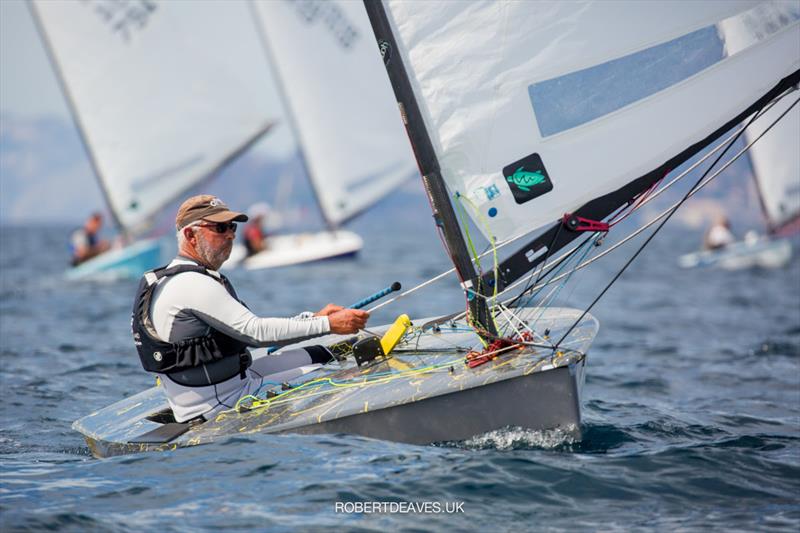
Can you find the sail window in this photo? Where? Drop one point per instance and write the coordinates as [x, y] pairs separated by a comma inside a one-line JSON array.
[[579, 97]]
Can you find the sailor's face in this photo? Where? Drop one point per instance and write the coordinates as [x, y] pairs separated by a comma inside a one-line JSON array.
[[94, 224], [214, 247]]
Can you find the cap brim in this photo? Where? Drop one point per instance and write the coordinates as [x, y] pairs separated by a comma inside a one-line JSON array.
[[226, 216]]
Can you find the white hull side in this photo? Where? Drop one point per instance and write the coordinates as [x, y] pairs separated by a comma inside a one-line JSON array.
[[298, 248], [128, 262], [762, 253]]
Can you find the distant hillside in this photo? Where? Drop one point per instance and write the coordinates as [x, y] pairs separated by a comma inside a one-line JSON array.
[[44, 174]]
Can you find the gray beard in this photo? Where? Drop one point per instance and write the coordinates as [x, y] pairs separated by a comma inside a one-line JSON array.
[[213, 258]]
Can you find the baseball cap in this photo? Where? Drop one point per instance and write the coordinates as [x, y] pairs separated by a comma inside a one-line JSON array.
[[205, 207]]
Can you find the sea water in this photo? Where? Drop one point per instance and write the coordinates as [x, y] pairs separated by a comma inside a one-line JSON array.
[[691, 407]]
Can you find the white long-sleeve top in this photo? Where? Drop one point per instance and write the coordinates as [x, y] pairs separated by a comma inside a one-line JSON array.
[[187, 305]]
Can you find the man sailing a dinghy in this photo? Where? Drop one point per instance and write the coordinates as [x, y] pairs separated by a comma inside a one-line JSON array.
[[254, 239], [85, 242], [719, 234], [191, 329]]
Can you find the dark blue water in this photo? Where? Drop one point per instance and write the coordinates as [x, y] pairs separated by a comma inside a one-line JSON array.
[[692, 407]]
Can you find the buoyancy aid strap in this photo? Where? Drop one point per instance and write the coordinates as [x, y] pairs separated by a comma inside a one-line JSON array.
[[152, 277], [164, 272], [212, 373]]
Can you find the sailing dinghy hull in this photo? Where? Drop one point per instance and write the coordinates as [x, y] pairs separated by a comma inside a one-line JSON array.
[[295, 249], [423, 393], [756, 253], [129, 262]]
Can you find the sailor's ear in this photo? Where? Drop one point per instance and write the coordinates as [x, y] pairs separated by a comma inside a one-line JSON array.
[[188, 233]]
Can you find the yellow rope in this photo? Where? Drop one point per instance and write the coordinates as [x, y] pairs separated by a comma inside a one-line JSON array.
[[475, 255]]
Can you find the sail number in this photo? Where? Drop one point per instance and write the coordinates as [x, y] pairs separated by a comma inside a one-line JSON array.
[[332, 17], [123, 17]]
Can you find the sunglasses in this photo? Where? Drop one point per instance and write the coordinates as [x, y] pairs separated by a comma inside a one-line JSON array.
[[220, 227]]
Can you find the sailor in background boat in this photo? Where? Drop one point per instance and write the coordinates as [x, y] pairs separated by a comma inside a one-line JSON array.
[[255, 240], [191, 329], [84, 241], [719, 234]]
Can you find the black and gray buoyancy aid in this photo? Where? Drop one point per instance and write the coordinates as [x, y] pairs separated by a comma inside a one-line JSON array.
[[198, 361]]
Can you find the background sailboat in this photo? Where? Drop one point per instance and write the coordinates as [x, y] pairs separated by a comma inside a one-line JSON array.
[[775, 159], [340, 107], [164, 94]]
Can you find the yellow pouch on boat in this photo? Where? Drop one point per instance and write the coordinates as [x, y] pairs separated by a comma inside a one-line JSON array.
[[395, 333]]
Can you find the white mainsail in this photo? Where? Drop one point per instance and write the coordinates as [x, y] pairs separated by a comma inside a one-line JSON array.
[[776, 155], [340, 101], [164, 93], [536, 108]]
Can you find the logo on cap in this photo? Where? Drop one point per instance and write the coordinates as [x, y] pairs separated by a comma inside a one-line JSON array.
[[215, 202]]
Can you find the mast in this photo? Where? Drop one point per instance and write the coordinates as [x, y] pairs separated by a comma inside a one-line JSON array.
[[48, 46], [435, 188], [290, 118], [760, 195], [775, 164]]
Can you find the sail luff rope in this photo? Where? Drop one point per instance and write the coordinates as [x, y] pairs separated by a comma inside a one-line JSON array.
[[669, 215]]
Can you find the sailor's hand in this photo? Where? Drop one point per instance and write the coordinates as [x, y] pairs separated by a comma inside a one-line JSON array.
[[328, 309], [347, 320]]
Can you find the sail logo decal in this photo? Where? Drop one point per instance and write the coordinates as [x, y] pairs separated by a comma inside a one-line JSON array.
[[527, 178]]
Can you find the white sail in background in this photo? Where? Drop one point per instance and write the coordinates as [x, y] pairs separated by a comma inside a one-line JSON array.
[[776, 155], [776, 163], [345, 114], [164, 92], [535, 108]]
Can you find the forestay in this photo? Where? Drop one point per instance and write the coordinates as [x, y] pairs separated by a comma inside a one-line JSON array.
[[775, 156], [536, 108], [340, 100], [163, 92]]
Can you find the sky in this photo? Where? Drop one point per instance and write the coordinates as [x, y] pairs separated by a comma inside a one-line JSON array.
[[28, 86]]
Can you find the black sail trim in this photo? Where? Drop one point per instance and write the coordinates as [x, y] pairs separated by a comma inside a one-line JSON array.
[[518, 265], [443, 212]]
